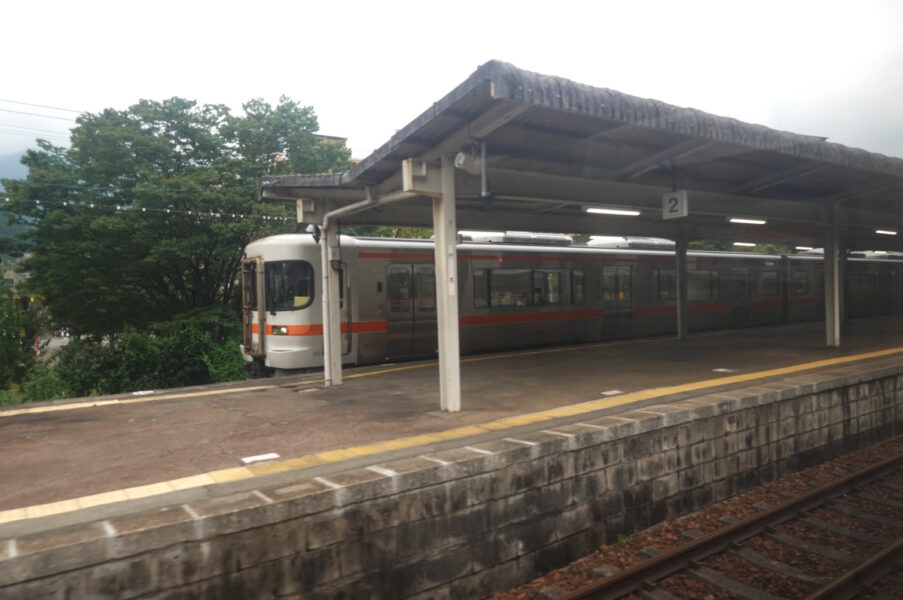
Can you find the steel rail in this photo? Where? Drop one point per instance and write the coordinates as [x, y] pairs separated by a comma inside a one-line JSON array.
[[850, 584], [672, 561]]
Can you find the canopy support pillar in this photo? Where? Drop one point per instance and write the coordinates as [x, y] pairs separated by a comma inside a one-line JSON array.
[[832, 284], [332, 321], [680, 253], [446, 262]]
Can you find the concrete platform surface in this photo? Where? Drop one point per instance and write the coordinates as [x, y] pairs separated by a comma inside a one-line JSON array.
[[101, 450]]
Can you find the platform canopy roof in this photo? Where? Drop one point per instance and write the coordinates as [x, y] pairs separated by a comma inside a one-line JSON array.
[[555, 147]]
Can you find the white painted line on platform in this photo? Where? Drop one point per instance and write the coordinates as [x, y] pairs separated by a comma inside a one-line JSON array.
[[259, 458], [524, 442], [479, 450], [612, 393], [108, 527], [326, 482], [561, 433], [383, 471], [724, 370], [263, 497]]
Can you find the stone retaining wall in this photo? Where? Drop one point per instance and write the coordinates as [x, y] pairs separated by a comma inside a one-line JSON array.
[[466, 522]]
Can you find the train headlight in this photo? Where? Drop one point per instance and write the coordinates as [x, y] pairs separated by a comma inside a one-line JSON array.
[[280, 330]]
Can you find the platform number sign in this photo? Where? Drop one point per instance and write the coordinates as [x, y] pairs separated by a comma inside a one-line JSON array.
[[674, 205]]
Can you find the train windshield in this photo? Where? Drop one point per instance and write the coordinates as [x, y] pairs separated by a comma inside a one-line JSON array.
[[289, 285]]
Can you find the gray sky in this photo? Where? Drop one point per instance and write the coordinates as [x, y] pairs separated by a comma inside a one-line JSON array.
[[822, 68]]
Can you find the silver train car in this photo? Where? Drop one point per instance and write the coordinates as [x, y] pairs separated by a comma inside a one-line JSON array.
[[525, 295]]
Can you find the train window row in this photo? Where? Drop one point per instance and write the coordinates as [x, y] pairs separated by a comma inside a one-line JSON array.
[[412, 287], [701, 285], [498, 288]]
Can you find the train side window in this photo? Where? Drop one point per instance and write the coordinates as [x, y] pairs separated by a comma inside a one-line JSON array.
[[547, 287], [768, 285], [509, 287], [870, 283], [578, 287], [424, 288], [699, 285], [480, 289], [625, 286], [609, 285], [617, 286], [664, 282], [799, 283], [249, 283], [741, 284], [715, 284], [398, 288], [863, 283]]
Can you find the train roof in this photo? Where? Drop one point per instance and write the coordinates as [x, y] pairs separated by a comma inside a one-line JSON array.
[[389, 243]]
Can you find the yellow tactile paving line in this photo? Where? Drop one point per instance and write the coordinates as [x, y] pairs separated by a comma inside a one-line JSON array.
[[333, 456]]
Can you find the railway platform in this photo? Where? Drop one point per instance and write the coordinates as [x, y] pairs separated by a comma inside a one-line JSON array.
[[68, 465], [89, 446]]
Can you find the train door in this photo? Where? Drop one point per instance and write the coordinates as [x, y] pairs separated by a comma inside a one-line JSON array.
[[252, 290], [411, 300], [345, 309], [617, 301], [425, 332], [741, 307]]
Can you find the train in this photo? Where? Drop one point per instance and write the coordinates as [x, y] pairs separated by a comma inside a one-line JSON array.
[[518, 291]]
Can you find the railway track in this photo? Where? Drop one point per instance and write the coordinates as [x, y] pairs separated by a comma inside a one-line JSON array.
[[844, 536]]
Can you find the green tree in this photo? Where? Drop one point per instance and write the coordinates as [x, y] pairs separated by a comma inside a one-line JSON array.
[[383, 231], [18, 328], [140, 220]]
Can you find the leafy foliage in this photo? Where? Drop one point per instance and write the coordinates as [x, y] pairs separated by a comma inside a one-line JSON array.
[[18, 328], [134, 225], [194, 350], [729, 247], [383, 231]]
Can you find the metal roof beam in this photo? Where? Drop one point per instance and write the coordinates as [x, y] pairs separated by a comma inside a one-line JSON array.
[[773, 179], [865, 192], [556, 188], [479, 128], [675, 152]]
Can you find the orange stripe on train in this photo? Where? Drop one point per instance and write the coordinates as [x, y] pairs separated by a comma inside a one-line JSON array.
[[317, 328]]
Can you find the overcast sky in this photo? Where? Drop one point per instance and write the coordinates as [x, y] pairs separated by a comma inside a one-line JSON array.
[[823, 68]]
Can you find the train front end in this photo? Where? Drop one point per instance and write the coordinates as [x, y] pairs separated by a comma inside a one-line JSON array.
[[281, 317]]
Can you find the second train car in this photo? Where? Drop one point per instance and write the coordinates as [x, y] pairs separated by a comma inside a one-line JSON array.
[[519, 295]]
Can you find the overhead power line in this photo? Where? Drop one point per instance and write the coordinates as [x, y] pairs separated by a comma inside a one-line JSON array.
[[42, 106], [35, 129], [50, 137], [33, 114], [195, 214]]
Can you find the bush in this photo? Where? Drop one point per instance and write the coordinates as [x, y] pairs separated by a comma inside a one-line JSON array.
[[42, 383], [12, 395], [192, 350], [18, 328]]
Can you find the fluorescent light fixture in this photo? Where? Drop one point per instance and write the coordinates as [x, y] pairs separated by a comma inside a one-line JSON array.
[[747, 221], [611, 211], [803, 248], [745, 244], [881, 252], [885, 232]]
